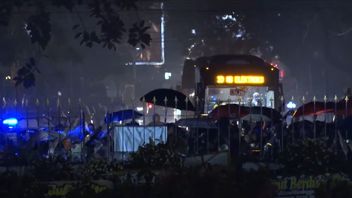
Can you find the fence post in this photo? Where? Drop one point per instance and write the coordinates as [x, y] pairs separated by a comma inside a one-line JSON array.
[[108, 121], [196, 115], [261, 129], [186, 100], [292, 124], [228, 125], [3, 108], [69, 114], [272, 126], [314, 118], [250, 109], [218, 136], [176, 101], [239, 126], [37, 103], [304, 129], [82, 125], [165, 109], [58, 106], [48, 112], [154, 103], [282, 125], [4, 102], [346, 115], [3, 111], [335, 112], [25, 103], [144, 125], [325, 128]]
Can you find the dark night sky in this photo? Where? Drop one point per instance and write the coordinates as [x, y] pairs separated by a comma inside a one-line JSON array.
[[313, 40]]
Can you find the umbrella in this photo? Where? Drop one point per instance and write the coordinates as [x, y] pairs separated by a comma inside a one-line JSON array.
[[196, 123], [170, 95], [122, 115], [262, 113], [314, 108], [228, 111], [343, 108]]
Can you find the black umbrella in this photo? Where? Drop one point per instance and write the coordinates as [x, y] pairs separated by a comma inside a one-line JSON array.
[[263, 113], [168, 98], [316, 108], [228, 111], [196, 123]]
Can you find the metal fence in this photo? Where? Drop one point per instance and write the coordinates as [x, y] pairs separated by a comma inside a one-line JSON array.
[[251, 130]]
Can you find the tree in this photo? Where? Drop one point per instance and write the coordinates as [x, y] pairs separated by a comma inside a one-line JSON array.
[[226, 33], [100, 23], [312, 157]]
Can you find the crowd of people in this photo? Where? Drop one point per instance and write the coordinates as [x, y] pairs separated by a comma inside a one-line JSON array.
[[264, 139], [75, 141], [261, 139]]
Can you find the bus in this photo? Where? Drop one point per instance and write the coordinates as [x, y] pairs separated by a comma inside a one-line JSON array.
[[237, 79]]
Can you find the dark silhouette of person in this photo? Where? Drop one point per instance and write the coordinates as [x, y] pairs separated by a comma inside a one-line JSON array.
[[132, 123], [90, 144]]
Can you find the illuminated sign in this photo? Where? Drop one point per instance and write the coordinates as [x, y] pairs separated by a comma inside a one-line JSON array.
[[240, 79], [220, 79]]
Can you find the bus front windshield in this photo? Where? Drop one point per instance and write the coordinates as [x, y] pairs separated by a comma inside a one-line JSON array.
[[243, 95]]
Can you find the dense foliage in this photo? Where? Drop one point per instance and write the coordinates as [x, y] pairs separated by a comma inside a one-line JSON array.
[[108, 27], [157, 171], [310, 157], [155, 156], [336, 187]]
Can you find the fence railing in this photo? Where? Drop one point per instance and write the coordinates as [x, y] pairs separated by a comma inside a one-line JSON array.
[[255, 130]]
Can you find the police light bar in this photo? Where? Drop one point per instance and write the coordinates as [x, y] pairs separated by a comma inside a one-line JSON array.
[[10, 122]]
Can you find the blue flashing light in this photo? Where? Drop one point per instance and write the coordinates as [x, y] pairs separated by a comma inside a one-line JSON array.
[[11, 122]]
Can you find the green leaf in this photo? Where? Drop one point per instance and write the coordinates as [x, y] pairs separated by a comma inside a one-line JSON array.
[[26, 74], [39, 28]]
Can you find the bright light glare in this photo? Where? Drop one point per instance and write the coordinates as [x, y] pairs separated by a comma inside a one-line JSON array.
[[10, 122], [168, 75], [291, 105], [228, 16], [177, 114], [139, 108]]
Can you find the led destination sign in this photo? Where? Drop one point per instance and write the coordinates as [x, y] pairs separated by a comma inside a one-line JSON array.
[[240, 79]]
